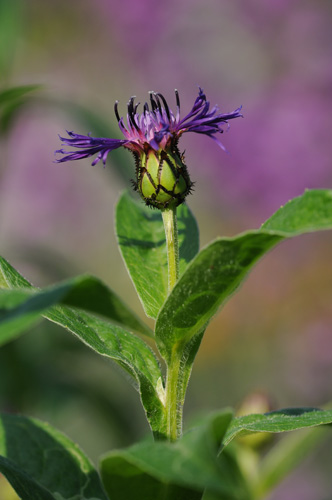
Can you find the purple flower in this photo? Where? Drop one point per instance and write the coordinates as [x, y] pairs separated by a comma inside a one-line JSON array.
[[152, 137]]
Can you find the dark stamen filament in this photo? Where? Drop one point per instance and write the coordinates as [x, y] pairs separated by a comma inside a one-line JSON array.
[[165, 105], [116, 110], [153, 104], [131, 113], [177, 99], [155, 95]]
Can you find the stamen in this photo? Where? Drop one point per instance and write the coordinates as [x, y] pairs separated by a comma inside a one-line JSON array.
[[146, 108], [153, 104], [131, 113], [130, 105], [165, 105], [116, 110], [155, 95], [177, 97]]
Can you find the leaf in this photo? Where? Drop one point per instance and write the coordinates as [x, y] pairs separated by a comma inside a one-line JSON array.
[[11, 101], [141, 237], [310, 212], [221, 267], [84, 292], [288, 419], [123, 481], [13, 94], [229, 463], [22, 307], [43, 464], [189, 463]]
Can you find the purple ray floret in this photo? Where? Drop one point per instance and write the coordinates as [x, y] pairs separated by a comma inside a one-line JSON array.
[[88, 146], [156, 128]]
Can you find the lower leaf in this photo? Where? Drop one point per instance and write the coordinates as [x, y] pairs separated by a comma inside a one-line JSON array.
[[124, 480], [190, 463], [43, 464]]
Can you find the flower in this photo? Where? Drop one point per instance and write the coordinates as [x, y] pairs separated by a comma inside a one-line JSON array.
[[162, 178]]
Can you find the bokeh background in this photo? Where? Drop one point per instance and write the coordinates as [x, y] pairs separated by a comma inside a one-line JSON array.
[[56, 220]]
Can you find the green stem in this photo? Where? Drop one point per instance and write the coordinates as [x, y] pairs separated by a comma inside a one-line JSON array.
[[173, 405], [171, 231]]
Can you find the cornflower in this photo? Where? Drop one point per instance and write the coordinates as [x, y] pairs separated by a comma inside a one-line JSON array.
[[162, 177]]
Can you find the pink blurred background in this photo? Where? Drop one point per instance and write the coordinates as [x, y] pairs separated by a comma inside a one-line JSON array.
[[56, 221]]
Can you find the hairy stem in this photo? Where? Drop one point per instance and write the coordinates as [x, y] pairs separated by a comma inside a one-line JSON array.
[[170, 225], [173, 405]]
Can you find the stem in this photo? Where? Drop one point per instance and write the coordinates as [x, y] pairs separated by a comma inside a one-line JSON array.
[[173, 405], [171, 231]]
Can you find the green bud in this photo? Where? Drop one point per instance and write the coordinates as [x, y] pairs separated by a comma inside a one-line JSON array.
[[162, 178]]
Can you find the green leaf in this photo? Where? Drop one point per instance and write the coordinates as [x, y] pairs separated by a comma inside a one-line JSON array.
[[141, 237], [84, 292], [11, 101], [124, 480], [229, 463], [307, 213], [43, 464], [220, 268], [288, 419], [112, 341], [21, 307], [189, 463], [13, 94]]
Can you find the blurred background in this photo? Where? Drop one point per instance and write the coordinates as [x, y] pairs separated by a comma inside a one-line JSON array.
[[74, 60]]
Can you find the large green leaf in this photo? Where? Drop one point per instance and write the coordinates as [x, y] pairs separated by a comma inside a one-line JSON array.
[[112, 341], [84, 292], [21, 307], [220, 268], [288, 419], [124, 480], [189, 463], [141, 237], [43, 464]]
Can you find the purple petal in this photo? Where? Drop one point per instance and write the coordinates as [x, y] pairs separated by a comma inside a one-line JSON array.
[[89, 146]]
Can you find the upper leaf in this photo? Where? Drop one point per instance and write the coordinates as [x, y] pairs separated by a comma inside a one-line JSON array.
[[221, 267], [310, 212], [141, 237], [288, 419], [43, 464]]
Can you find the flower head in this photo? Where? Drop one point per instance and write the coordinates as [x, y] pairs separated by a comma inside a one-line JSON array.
[[152, 136]]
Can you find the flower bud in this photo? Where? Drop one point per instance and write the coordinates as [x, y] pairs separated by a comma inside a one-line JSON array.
[[162, 178]]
